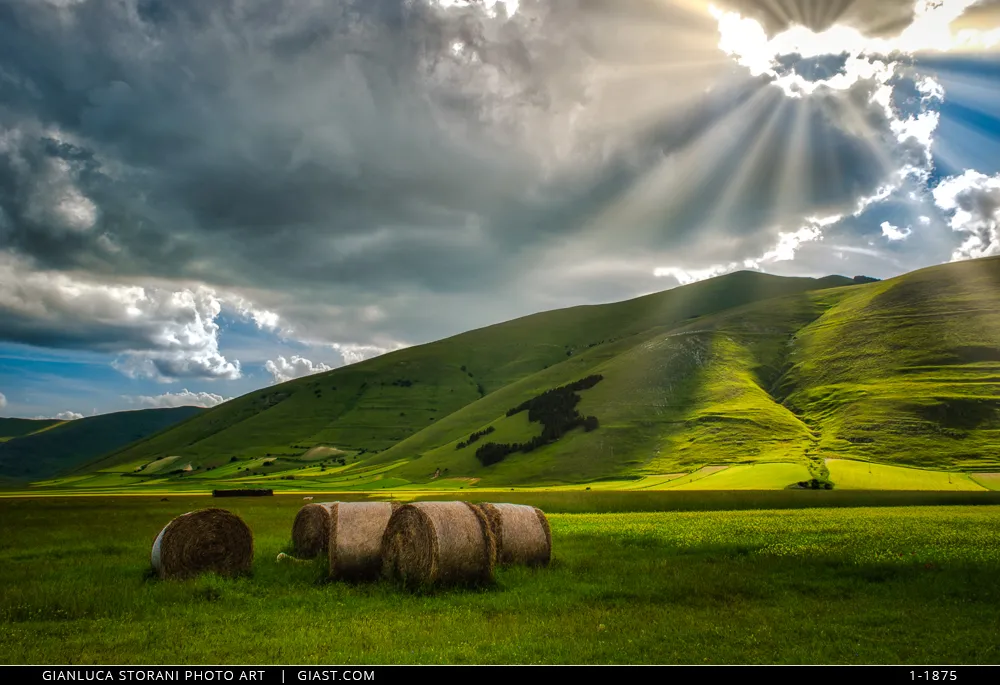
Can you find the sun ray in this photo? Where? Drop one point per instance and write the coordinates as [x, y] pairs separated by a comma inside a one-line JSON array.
[[792, 166], [776, 13], [979, 95], [831, 160], [667, 185], [835, 9], [954, 154], [876, 144], [748, 165]]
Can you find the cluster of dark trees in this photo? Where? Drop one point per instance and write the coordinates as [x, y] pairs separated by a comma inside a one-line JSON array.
[[402, 383], [474, 437], [556, 410], [815, 484]]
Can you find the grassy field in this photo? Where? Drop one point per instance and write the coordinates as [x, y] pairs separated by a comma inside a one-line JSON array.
[[990, 481], [815, 585], [383, 478], [856, 475]]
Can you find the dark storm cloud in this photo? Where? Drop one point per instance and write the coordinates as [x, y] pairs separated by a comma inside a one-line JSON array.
[[266, 143], [251, 130], [341, 156]]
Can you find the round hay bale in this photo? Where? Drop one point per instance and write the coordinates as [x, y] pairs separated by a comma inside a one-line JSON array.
[[354, 544], [311, 529], [207, 540], [522, 533], [428, 543]]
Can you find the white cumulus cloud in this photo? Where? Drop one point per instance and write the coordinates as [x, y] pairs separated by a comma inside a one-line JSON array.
[[158, 332], [972, 203], [352, 353], [62, 416], [184, 398], [686, 276], [894, 232], [3, 400], [296, 367]]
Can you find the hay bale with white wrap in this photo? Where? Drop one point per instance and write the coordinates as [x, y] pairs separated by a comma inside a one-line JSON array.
[[522, 534], [438, 543], [203, 541]]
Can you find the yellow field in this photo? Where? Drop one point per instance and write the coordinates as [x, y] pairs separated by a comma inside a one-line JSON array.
[[855, 475], [750, 477]]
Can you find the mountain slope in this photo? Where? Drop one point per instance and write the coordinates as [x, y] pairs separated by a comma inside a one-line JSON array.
[[741, 369], [58, 446], [373, 405], [906, 370], [13, 428]]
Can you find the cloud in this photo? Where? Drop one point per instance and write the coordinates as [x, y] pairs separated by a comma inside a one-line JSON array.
[[370, 175], [894, 232], [352, 354], [282, 369], [972, 202], [3, 400], [263, 318], [683, 276], [62, 416], [159, 333], [184, 398]]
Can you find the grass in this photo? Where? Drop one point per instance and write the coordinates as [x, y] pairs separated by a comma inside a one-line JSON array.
[[750, 477], [854, 585], [13, 428], [856, 475], [990, 481]]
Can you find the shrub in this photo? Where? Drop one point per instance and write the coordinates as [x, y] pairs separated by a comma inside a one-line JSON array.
[[474, 437]]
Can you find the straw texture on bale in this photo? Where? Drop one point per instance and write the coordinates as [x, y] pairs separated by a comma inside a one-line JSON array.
[[354, 544], [207, 540], [311, 529], [522, 534], [428, 543]]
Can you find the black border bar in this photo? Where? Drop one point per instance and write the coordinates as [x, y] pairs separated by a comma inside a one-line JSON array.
[[323, 675]]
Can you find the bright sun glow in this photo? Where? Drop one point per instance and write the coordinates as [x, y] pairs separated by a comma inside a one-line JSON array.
[[864, 57]]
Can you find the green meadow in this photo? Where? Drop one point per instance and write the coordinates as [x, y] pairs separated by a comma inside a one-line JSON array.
[[847, 585]]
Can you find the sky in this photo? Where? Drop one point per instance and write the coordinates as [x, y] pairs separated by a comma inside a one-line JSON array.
[[199, 199]]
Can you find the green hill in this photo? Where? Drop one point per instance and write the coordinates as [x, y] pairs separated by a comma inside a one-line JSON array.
[[745, 368], [57, 446], [14, 428]]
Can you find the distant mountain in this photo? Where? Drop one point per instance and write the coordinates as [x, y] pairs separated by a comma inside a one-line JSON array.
[[32, 449], [12, 428]]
